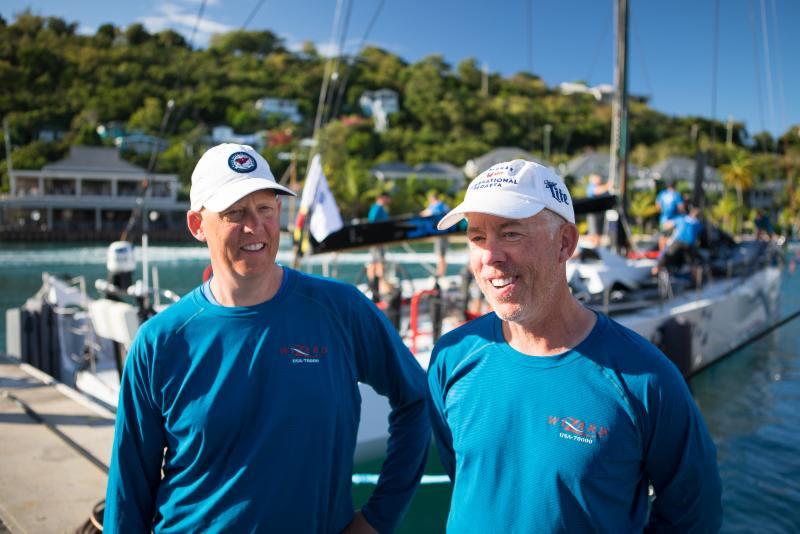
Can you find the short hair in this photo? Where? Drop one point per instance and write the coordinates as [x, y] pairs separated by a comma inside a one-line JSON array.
[[553, 220]]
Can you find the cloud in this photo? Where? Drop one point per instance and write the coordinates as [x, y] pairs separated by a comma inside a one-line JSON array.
[[86, 30], [328, 49], [183, 20]]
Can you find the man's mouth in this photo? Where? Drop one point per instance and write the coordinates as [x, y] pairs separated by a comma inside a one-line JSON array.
[[501, 282], [253, 247]]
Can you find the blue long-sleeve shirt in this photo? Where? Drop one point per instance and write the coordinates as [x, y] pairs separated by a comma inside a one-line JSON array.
[[569, 443], [254, 412]]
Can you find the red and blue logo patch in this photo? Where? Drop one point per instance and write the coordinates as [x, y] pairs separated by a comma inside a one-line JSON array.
[[242, 162]]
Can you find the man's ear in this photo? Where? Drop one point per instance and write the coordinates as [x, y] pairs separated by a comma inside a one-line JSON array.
[[194, 220], [569, 242]]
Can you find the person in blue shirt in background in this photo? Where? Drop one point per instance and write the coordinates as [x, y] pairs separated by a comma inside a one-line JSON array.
[[670, 204], [548, 416], [437, 207], [246, 391], [681, 248], [375, 270], [595, 221]]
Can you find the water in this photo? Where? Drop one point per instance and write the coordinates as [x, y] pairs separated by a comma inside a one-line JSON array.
[[750, 400]]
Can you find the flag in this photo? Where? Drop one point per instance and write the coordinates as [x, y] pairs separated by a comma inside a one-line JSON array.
[[318, 199]]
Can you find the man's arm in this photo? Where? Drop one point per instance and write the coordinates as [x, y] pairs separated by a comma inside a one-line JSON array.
[[138, 450], [441, 432], [681, 463], [386, 364]]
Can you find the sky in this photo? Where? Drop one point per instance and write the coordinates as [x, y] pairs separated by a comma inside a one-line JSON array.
[[671, 42]]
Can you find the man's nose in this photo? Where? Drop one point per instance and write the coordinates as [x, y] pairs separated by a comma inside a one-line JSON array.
[[492, 252]]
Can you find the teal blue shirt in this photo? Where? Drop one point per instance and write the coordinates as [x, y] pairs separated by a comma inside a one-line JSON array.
[[254, 413], [569, 443]]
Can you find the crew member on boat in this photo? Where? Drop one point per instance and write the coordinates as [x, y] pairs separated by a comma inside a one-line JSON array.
[[246, 391], [548, 416], [669, 203], [681, 247]]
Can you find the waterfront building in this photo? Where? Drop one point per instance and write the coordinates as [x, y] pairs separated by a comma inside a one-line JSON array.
[[92, 190]]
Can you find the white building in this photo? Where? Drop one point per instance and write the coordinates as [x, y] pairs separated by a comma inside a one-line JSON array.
[[282, 107], [225, 134], [92, 189], [601, 93], [387, 100]]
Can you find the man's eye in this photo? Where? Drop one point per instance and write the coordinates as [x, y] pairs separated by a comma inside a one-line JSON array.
[[233, 215]]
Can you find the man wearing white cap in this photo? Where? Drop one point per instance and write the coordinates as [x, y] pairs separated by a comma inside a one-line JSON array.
[[550, 417], [246, 391]]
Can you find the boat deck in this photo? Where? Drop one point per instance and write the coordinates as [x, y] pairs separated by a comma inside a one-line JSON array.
[[55, 449]]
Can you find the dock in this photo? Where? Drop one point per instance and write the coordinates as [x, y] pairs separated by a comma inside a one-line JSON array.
[[55, 447]]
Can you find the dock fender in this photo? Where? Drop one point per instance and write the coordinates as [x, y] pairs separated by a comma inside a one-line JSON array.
[[674, 338]]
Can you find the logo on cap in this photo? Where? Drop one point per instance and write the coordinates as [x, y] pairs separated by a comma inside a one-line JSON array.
[[242, 162], [556, 191]]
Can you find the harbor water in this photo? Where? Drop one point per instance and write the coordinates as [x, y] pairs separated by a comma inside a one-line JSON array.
[[750, 399]]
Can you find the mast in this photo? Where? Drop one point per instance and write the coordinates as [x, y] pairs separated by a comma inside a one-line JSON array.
[[618, 166]]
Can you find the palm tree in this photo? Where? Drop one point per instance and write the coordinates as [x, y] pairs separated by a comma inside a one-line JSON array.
[[739, 175]]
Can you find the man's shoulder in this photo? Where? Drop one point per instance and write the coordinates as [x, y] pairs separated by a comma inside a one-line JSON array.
[[627, 352], [334, 294], [173, 316], [463, 342]]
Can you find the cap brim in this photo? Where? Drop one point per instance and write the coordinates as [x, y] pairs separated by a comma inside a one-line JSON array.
[[501, 207], [234, 192]]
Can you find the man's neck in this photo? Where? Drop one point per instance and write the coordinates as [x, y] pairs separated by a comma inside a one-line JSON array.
[[246, 291], [562, 328]]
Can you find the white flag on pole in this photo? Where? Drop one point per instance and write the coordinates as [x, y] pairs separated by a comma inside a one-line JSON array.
[[317, 197]]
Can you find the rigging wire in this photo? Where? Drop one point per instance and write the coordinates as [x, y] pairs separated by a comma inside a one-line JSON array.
[[337, 60], [252, 14], [529, 34], [323, 93], [714, 69], [138, 212], [784, 125], [767, 65], [348, 66], [757, 64]]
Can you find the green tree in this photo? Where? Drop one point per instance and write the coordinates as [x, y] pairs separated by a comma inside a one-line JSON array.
[[738, 175]]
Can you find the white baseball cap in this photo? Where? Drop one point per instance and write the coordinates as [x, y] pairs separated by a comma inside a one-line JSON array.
[[228, 172], [515, 190]]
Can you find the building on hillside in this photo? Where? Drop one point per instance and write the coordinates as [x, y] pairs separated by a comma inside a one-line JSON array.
[[281, 107], [225, 134], [476, 166], [91, 190], [679, 169], [387, 99], [50, 134], [597, 163], [141, 143], [433, 170], [602, 93]]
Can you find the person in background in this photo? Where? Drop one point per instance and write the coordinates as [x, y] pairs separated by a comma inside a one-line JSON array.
[[763, 225], [681, 246], [379, 211], [437, 207], [595, 221], [670, 204], [549, 416], [239, 405]]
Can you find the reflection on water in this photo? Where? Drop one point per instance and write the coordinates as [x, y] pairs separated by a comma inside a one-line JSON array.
[[751, 402]]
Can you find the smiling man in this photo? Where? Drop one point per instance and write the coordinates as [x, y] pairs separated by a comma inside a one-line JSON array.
[[239, 405], [550, 417]]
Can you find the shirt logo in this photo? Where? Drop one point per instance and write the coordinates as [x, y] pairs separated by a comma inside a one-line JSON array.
[[556, 191], [242, 162], [573, 429], [300, 353]]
